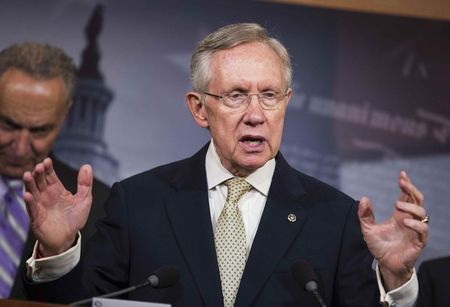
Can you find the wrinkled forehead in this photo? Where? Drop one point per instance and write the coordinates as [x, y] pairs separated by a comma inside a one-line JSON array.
[[32, 102], [17, 77], [248, 63]]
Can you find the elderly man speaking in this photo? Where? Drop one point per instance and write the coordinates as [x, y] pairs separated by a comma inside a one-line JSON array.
[[232, 218]]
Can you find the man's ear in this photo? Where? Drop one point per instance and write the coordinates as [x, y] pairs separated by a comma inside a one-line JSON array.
[[197, 108], [289, 95]]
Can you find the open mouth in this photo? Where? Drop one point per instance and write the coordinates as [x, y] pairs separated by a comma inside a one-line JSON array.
[[252, 141]]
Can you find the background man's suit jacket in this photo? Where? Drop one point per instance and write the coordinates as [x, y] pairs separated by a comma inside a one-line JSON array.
[[434, 283], [68, 177], [161, 217]]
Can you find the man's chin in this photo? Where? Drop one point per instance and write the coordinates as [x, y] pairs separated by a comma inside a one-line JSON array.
[[248, 166]]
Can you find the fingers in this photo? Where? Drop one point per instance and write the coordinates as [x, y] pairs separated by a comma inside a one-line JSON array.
[[39, 176], [85, 179], [31, 195], [365, 212], [30, 185], [409, 192], [50, 174], [35, 183], [31, 205], [43, 175], [415, 211], [420, 228], [411, 202]]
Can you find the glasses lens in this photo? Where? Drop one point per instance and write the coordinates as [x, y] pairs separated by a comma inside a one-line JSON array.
[[235, 100], [269, 100]]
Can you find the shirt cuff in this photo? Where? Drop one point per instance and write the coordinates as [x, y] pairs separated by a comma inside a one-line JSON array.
[[53, 267], [404, 296]]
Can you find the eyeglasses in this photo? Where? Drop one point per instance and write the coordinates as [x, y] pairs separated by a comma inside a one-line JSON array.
[[268, 100]]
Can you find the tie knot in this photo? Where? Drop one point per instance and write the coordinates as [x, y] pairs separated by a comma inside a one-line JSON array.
[[14, 186], [236, 188]]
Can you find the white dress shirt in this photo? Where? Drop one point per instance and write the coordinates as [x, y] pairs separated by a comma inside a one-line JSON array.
[[251, 206]]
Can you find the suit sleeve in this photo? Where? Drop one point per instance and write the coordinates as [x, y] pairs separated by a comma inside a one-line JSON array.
[[425, 288], [103, 267], [355, 279]]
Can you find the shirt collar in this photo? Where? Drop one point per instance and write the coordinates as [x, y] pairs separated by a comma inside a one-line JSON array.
[[216, 173], [5, 184]]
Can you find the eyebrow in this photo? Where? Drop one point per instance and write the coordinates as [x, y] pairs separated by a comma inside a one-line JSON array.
[[10, 122]]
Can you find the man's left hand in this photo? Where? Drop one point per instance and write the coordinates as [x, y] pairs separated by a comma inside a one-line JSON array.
[[396, 243]]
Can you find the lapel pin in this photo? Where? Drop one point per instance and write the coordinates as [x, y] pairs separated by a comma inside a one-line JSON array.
[[292, 218]]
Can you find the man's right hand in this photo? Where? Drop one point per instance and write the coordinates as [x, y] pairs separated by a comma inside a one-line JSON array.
[[56, 215]]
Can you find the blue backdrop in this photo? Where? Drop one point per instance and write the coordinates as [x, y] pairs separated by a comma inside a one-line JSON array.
[[371, 92]]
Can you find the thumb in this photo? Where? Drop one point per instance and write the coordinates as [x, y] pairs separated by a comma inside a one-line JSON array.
[[365, 212], [85, 179]]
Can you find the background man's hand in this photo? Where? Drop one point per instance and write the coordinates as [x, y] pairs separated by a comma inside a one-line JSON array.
[[396, 243], [56, 215]]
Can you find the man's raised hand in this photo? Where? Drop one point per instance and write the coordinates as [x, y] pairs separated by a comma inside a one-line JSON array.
[[56, 215]]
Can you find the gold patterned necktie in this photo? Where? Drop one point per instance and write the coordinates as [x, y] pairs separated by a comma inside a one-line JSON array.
[[230, 241]]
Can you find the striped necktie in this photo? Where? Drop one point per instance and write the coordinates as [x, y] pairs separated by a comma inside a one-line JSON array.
[[230, 241], [14, 225]]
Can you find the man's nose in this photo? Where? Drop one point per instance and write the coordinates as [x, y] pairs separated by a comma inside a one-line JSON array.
[[22, 142], [254, 114]]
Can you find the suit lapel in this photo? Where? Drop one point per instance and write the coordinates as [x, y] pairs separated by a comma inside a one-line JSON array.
[[17, 290], [276, 231], [188, 211]]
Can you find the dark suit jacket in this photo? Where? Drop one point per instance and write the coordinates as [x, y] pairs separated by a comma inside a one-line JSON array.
[[434, 283], [161, 217], [68, 177]]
